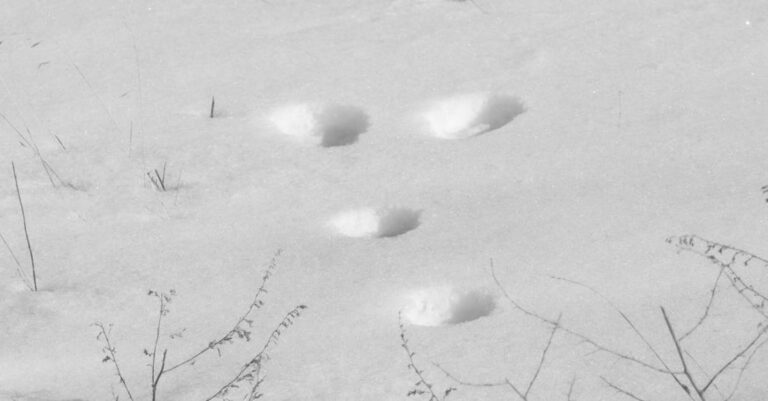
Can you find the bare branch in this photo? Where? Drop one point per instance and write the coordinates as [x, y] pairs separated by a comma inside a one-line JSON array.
[[631, 324], [621, 390], [506, 382], [735, 357], [582, 337], [543, 357], [680, 355]]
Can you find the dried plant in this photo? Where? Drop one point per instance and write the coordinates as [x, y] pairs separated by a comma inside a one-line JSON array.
[[422, 386], [696, 385], [249, 377], [734, 263], [522, 393], [31, 284]]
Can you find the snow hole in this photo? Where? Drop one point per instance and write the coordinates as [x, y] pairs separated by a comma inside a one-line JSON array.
[[375, 223], [467, 115], [321, 124], [439, 306]]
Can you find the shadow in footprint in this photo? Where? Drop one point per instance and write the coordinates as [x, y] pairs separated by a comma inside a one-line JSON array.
[[398, 221], [341, 125], [499, 111], [472, 305]]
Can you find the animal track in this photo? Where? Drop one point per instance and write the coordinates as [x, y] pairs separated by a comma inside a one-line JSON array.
[[376, 223], [439, 306], [321, 124], [471, 114]]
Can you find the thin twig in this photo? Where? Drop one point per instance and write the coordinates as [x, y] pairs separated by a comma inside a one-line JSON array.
[[621, 390], [701, 369], [30, 143], [582, 337], [111, 357], [516, 390], [96, 95], [468, 383], [543, 357], [19, 269], [252, 369], [156, 380], [680, 355], [570, 389], [735, 357], [140, 95], [631, 324], [422, 383], [130, 138], [60, 142], [26, 232], [704, 316], [506, 382], [236, 328], [160, 314], [743, 368], [158, 179], [653, 350]]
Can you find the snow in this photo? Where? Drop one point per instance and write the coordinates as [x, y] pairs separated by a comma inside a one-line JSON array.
[[423, 157]]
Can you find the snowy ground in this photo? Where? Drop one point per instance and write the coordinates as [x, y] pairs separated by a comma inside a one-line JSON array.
[[391, 149]]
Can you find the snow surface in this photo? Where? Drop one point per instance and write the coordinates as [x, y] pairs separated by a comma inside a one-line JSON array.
[[607, 126]]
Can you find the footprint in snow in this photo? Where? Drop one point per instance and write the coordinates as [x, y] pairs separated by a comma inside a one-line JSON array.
[[438, 306], [375, 223], [321, 124], [467, 115]]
